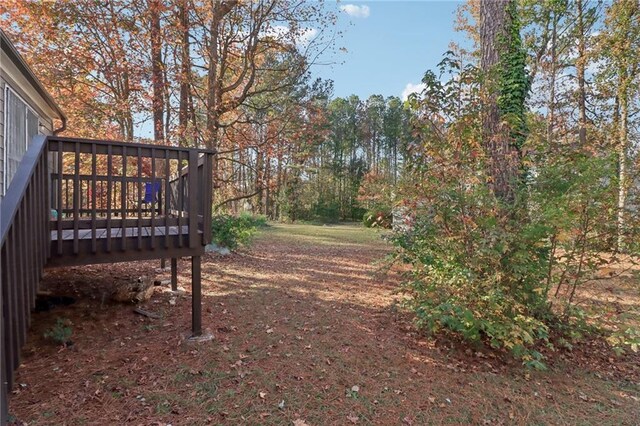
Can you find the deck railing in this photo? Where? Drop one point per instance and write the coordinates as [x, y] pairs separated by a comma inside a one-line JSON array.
[[24, 229], [100, 188]]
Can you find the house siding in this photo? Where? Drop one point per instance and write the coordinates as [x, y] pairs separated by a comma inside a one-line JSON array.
[[2, 89], [35, 103]]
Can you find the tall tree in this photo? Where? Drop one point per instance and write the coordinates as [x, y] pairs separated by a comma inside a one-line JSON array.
[[186, 112], [157, 72], [620, 44], [505, 83], [581, 61]]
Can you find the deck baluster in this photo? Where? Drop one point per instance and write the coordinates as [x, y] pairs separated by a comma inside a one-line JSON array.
[[76, 200], [94, 244], [123, 200]]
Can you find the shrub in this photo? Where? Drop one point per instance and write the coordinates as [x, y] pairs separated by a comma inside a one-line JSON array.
[[327, 212], [367, 219], [477, 274], [60, 332], [232, 231], [357, 212], [507, 276]]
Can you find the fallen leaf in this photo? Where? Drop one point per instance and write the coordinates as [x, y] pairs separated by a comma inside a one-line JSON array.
[[262, 395], [300, 422], [353, 418]]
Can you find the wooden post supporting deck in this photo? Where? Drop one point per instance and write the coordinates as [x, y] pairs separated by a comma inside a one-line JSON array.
[[174, 274], [196, 296]]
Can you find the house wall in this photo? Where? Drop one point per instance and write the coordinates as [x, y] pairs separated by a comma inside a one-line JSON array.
[[2, 86], [11, 76]]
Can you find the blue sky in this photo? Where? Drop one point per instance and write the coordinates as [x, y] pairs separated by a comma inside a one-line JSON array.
[[389, 44]]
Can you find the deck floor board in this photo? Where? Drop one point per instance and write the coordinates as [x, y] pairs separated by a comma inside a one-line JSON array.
[[101, 233]]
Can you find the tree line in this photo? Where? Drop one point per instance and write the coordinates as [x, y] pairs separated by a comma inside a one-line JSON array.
[[229, 76]]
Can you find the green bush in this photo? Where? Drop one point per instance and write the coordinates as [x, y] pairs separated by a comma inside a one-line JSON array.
[[232, 231], [357, 212], [377, 219], [327, 212], [478, 275], [60, 332]]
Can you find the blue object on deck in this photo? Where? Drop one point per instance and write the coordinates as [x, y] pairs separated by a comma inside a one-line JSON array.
[[151, 190]]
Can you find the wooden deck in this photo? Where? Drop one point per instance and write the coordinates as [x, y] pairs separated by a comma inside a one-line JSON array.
[[80, 202]]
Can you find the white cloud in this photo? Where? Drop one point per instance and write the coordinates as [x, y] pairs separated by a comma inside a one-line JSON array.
[[306, 36], [411, 88], [356, 11]]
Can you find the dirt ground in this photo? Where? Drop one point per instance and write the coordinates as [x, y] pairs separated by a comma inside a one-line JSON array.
[[306, 333]]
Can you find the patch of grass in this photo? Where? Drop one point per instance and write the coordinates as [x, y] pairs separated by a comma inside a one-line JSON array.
[[207, 389], [168, 402], [337, 235], [182, 375], [163, 408], [48, 414]]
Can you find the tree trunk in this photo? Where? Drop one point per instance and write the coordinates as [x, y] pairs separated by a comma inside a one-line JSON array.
[[279, 185], [157, 75], [259, 180], [267, 186], [551, 120], [580, 71], [622, 165], [502, 156], [213, 89], [185, 73]]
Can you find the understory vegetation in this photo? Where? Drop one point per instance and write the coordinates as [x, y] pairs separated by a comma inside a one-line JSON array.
[[516, 212], [233, 231]]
